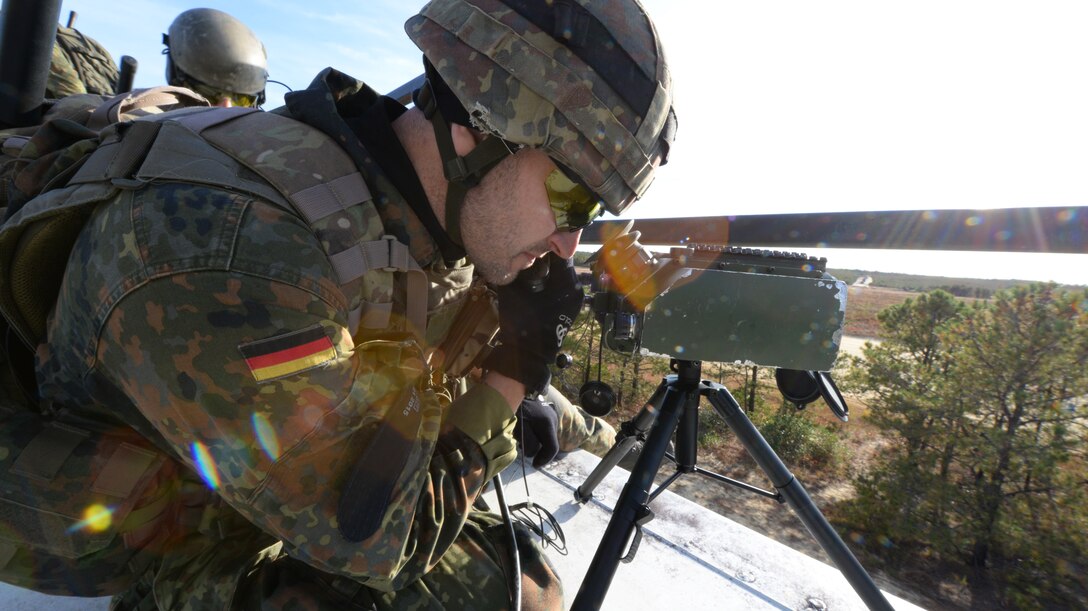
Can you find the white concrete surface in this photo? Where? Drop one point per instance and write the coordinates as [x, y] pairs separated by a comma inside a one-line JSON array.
[[19, 599], [690, 558]]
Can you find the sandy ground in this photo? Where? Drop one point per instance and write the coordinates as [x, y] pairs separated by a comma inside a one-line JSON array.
[[853, 345]]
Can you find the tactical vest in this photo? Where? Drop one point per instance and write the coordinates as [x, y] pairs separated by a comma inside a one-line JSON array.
[[30, 157], [51, 472]]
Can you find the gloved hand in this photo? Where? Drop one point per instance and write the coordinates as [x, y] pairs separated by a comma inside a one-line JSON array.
[[537, 430], [533, 323]]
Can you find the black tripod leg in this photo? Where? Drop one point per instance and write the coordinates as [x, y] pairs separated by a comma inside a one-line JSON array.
[[799, 500], [639, 426], [631, 509]]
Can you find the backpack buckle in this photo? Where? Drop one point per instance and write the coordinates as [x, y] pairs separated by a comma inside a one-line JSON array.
[[398, 255]]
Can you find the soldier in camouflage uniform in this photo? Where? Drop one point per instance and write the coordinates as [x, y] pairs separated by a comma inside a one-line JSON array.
[[550, 424], [577, 429], [217, 56], [315, 458]]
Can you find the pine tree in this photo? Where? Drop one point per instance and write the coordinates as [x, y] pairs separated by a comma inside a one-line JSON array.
[[987, 407]]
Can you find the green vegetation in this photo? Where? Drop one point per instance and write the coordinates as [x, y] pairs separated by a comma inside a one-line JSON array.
[[799, 440], [985, 408]]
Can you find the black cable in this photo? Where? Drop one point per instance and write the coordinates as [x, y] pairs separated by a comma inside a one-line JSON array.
[[589, 355], [279, 83], [600, 358], [543, 524], [515, 578], [537, 519]]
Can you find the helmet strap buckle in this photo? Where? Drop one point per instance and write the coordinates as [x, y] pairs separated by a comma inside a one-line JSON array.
[[462, 172]]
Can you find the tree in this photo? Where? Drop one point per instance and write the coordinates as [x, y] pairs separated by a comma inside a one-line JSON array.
[[1021, 364], [909, 372], [987, 409]]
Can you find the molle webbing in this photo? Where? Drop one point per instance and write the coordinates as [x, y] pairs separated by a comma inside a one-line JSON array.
[[317, 199], [52, 476], [292, 176]]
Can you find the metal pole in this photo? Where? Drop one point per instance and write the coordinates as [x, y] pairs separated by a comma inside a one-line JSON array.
[[28, 29], [127, 73], [1055, 229]]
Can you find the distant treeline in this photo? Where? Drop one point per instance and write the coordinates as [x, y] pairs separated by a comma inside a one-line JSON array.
[[960, 287]]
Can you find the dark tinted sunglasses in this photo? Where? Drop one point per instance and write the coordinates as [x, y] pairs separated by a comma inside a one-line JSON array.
[[573, 205]]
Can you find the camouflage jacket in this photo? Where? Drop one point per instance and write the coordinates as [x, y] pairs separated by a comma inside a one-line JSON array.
[[209, 320]]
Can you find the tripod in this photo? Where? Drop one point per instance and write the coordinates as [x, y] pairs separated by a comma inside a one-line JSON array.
[[673, 407]]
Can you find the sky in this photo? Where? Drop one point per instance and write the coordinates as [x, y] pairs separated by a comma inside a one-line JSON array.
[[784, 106]]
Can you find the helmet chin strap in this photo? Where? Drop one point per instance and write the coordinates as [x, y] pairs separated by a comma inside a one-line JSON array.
[[462, 172]]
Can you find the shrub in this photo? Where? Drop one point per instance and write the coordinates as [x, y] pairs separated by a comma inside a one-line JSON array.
[[798, 440]]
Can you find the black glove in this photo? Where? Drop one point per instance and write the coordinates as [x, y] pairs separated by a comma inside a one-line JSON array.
[[533, 323], [537, 430]]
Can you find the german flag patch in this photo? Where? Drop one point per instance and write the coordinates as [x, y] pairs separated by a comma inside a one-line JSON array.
[[288, 354]]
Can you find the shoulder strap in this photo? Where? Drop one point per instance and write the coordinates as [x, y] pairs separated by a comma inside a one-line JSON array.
[[300, 169], [142, 102]]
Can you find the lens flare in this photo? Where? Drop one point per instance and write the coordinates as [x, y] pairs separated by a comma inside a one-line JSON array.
[[1067, 216], [266, 436], [629, 273], [205, 465], [973, 221], [96, 518]]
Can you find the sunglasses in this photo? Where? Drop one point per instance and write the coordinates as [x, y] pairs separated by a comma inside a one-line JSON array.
[[573, 205], [214, 96]]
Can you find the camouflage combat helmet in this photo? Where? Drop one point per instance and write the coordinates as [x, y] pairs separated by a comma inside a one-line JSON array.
[[586, 81], [214, 54]]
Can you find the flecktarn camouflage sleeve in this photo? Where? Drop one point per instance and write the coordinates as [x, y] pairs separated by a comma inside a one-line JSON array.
[[577, 429], [245, 365]]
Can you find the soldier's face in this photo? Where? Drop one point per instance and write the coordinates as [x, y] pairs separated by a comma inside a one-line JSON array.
[[507, 222]]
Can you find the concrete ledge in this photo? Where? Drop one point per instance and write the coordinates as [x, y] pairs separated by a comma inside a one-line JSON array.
[[689, 558]]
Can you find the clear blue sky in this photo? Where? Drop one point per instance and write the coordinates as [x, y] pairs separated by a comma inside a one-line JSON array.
[[784, 106]]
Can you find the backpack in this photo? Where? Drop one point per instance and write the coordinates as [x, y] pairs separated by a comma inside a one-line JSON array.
[[80, 65], [32, 159], [52, 472]]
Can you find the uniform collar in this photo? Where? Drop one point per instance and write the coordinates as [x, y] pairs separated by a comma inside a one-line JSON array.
[[360, 120]]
